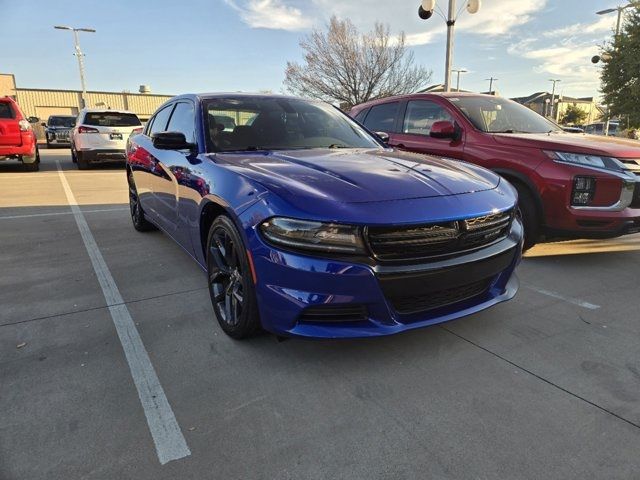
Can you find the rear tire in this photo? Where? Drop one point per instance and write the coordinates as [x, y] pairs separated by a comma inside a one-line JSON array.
[[138, 218], [83, 163], [528, 213], [230, 281], [34, 162], [74, 159]]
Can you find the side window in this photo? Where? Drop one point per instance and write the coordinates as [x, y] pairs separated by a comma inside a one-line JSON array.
[[421, 115], [589, 129], [382, 118], [360, 116], [182, 120], [159, 121]]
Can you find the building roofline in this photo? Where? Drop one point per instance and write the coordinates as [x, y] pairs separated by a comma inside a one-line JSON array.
[[99, 92]]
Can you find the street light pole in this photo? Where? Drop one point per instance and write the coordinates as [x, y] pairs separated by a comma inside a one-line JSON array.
[[620, 9], [449, 55], [80, 57], [458, 71], [553, 95], [425, 11]]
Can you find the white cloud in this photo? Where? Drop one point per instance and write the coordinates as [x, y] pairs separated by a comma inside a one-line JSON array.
[[271, 14], [496, 17], [603, 24]]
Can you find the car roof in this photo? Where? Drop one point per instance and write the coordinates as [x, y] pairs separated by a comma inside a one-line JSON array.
[[105, 110], [423, 94], [62, 116]]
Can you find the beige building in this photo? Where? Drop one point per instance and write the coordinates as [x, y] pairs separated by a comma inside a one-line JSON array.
[[41, 103], [540, 102]]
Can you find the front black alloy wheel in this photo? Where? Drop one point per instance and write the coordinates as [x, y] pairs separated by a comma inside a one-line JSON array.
[[138, 218], [230, 281]]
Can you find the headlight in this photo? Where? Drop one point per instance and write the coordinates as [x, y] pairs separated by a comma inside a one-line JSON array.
[[317, 236], [608, 163]]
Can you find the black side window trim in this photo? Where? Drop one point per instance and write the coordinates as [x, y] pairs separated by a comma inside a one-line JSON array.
[[175, 105]]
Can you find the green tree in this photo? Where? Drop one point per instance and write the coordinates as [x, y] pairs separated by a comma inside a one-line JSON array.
[[573, 115], [621, 74]]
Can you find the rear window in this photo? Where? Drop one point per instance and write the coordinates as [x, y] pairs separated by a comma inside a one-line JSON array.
[[5, 110], [61, 121], [108, 119]]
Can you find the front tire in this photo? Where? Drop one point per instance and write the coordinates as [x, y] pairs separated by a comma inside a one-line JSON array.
[[230, 280], [138, 218]]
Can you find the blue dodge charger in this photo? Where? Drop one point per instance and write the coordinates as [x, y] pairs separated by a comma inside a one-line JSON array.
[[309, 225]]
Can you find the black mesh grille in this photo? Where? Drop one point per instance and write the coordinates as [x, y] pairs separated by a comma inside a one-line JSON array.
[[635, 203], [424, 241], [440, 298], [334, 313]]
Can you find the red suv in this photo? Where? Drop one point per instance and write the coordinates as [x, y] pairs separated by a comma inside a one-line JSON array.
[[17, 139], [576, 186]]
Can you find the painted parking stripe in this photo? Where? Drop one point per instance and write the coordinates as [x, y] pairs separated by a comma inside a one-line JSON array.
[[574, 301], [49, 214], [167, 436]]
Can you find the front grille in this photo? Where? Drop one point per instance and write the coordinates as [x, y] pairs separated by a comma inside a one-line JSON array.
[[633, 164], [635, 202], [424, 241], [439, 298], [333, 313]]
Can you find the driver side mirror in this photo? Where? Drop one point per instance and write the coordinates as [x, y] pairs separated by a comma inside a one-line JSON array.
[[33, 119], [171, 141], [443, 129], [43, 124], [383, 136]]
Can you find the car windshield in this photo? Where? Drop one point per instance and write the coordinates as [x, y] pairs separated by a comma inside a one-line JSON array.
[[61, 122], [277, 123], [111, 119], [499, 115]]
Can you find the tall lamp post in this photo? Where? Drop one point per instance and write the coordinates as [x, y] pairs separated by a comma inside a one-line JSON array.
[[425, 11], [553, 95], [618, 9], [79, 55], [491, 80], [458, 71]]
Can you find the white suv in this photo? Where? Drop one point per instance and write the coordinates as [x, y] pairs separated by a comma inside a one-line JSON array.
[[101, 136]]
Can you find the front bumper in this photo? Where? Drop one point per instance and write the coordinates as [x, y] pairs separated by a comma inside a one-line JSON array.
[[390, 299]]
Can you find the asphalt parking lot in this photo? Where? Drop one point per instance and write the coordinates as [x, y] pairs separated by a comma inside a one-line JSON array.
[[546, 386]]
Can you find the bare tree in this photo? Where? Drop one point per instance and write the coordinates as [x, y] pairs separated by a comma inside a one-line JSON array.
[[348, 67]]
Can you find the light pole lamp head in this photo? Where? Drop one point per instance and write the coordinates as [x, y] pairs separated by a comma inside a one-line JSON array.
[[473, 6], [425, 10]]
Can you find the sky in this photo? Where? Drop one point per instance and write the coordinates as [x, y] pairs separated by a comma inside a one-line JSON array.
[[244, 45]]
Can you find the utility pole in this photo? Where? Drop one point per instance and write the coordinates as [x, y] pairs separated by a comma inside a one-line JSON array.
[[79, 55], [553, 96], [491, 80]]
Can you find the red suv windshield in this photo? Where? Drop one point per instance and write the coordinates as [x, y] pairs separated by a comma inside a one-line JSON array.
[[498, 115]]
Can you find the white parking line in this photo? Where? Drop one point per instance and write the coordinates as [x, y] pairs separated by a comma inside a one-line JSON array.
[[574, 301], [167, 436], [10, 217]]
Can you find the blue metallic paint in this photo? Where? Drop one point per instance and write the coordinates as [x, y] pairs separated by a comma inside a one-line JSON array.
[[372, 187]]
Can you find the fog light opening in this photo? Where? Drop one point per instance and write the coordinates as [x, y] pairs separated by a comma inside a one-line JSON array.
[[584, 190]]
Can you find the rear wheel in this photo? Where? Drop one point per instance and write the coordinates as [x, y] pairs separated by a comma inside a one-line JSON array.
[[32, 163], [138, 218], [81, 160], [231, 284], [74, 158], [528, 213]]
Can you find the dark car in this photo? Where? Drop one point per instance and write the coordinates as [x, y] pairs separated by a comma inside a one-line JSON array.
[[575, 186], [57, 129], [309, 226]]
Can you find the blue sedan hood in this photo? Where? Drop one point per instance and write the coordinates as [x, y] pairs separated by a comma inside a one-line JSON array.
[[357, 175]]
